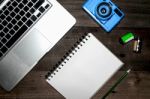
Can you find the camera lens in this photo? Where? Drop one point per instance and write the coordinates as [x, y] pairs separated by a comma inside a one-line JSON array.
[[104, 10]]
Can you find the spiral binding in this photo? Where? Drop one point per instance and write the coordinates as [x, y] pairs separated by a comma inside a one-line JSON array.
[[67, 56]]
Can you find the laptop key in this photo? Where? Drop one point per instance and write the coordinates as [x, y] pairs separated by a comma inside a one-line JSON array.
[[8, 18], [8, 36], [9, 25], [16, 28], [47, 6], [12, 14], [14, 21], [25, 1], [30, 4], [2, 16], [4, 8], [20, 23], [5, 30], [18, 17], [29, 23], [39, 14], [32, 10], [3, 49], [28, 15], [4, 40], [16, 10], [16, 36], [4, 23], [12, 32], [2, 34], [38, 4], [24, 19], [6, 12], [22, 13], [1, 26], [10, 8], [20, 5], [41, 9], [14, 3], [34, 18], [26, 8]]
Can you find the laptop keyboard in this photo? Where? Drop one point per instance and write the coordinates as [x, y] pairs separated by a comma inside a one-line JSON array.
[[16, 18]]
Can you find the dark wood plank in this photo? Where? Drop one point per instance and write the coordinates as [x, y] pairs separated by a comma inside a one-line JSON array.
[[33, 86], [136, 85]]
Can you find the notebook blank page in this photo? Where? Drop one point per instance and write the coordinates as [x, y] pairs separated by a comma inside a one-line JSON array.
[[87, 71]]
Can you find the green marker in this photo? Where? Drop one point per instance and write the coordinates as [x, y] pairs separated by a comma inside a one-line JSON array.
[[126, 38], [117, 83]]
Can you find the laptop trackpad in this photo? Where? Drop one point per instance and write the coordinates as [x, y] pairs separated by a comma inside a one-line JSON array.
[[31, 49]]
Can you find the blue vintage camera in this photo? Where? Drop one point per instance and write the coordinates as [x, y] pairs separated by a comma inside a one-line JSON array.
[[104, 12]]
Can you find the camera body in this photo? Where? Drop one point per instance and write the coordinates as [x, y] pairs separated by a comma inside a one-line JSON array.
[[104, 12]]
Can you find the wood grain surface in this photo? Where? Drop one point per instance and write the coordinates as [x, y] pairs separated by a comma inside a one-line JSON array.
[[135, 86]]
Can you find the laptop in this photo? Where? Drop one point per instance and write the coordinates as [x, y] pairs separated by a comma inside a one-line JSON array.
[[28, 30]]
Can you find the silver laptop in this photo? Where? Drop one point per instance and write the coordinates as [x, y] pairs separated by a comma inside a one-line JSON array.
[[28, 29]]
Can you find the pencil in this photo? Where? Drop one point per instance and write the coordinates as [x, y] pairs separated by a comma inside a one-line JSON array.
[[117, 83]]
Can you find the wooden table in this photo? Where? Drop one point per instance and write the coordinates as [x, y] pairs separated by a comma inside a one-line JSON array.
[[135, 86]]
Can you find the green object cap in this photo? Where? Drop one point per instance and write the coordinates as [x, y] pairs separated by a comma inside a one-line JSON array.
[[127, 37]]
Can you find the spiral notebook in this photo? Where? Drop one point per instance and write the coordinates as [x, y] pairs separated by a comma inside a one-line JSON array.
[[84, 69]]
